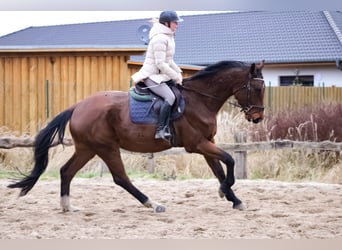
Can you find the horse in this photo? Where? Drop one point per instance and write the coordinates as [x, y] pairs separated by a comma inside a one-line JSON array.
[[100, 125]]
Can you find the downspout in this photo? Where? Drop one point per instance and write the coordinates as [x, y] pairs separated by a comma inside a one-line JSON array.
[[337, 32]]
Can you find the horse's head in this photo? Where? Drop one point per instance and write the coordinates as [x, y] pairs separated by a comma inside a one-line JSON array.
[[250, 96]]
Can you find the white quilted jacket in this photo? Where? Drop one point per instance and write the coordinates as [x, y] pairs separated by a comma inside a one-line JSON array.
[[159, 65]]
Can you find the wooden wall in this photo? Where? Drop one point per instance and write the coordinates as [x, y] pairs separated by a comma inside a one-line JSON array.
[[35, 87], [278, 98], [294, 97]]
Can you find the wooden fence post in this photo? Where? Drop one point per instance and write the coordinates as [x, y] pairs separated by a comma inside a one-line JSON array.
[[151, 163], [240, 157], [103, 168]]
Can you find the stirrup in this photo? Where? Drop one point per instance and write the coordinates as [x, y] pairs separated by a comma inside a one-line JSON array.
[[162, 133]]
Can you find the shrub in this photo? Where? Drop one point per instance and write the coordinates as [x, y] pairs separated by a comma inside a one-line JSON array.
[[317, 123]]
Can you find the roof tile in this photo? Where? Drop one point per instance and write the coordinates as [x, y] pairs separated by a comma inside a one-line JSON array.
[[279, 37]]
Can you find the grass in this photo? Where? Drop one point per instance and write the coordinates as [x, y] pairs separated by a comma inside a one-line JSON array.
[[285, 165], [316, 123]]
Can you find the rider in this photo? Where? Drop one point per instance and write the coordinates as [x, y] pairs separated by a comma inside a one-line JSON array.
[[159, 66]]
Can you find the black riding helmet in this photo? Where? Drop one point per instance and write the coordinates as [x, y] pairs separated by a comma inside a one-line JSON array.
[[168, 17]]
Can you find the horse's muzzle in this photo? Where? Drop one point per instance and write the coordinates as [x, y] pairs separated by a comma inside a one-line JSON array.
[[255, 117], [257, 120]]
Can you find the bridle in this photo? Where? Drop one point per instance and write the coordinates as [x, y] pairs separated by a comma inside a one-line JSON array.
[[246, 109]]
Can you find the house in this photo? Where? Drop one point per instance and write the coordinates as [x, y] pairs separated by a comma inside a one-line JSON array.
[[303, 47], [44, 70]]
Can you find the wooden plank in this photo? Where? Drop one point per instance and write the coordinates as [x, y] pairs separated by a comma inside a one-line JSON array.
[[33, 90], [56, 87], [248, 146], [71, 82], [109, 73], [63, 98], [79, 79], [24, 142], [17, 93], [49, 85], [41, 92], [25, 85], [268, 145], [116, 73], [124, 76], [101, 74], [2, 92], [87, 77], [93, 75], [9, 98], [240, 157]]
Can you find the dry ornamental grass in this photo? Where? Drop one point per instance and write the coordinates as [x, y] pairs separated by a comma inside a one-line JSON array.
[[319, 123]]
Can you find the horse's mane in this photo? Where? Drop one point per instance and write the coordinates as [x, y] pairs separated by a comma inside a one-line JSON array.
[[214, 68]]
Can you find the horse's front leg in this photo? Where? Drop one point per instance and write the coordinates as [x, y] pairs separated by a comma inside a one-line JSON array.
[[213, 156], [218, 171]]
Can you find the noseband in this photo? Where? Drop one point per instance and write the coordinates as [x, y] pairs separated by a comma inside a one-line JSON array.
[[246, 109]]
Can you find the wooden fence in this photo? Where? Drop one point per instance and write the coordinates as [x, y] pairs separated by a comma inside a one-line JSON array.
[[34, 89], [294, 97], [279, 98], [36, 86], [240, 148]]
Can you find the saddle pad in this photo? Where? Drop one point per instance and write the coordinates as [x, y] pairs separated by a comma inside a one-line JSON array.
[[142, 112]]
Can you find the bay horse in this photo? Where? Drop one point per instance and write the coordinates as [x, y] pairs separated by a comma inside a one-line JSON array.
[[100, 125]]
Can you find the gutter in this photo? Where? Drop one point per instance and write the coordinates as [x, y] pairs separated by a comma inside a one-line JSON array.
[[73, 48], [337, 32]]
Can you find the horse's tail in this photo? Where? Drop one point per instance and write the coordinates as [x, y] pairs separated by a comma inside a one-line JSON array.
[[43, 142]]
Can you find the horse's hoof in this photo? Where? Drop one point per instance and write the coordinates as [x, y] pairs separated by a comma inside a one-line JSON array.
[[221, 194], [240, 207], [70, 209], [156, 207], [160, 209]]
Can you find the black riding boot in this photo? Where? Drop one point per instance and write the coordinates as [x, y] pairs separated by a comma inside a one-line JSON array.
[[163, 120]]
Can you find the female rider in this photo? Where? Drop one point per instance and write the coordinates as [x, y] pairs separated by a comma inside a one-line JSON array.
[[159, 66]]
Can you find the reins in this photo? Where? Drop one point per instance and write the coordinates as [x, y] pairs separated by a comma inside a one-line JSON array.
[[202, 94]]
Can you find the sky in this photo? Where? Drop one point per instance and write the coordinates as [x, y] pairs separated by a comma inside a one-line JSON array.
[[12, 21]]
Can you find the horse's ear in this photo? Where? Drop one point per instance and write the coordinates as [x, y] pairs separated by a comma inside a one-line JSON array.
[[252, 69], [261, 65]]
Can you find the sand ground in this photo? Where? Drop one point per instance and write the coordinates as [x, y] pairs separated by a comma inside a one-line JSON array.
[[275, 210]]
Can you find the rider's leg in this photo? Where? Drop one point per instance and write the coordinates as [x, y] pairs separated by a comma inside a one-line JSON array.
[[165, 92]]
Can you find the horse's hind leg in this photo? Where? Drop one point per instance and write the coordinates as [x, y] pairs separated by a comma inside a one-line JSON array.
[[116, 167], [67, 172]]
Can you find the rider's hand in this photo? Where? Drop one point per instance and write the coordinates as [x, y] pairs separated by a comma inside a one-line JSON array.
[[179, 78]]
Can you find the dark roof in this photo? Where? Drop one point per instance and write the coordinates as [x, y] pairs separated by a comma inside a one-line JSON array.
[[115, 33], [277, 37]]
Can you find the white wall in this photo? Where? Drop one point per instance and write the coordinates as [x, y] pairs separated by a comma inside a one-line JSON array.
[[329, 75]]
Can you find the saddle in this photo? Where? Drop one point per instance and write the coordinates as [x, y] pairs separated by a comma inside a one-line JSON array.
[[145, 105]]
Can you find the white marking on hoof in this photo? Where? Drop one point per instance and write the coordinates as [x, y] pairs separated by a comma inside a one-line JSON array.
[[65, 205], [156, 207], [240, 207]]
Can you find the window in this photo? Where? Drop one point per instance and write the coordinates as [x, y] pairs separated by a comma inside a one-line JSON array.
[[297, 80]]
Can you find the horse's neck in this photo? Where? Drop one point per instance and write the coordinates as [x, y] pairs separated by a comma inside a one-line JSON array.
[[211, 98]]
